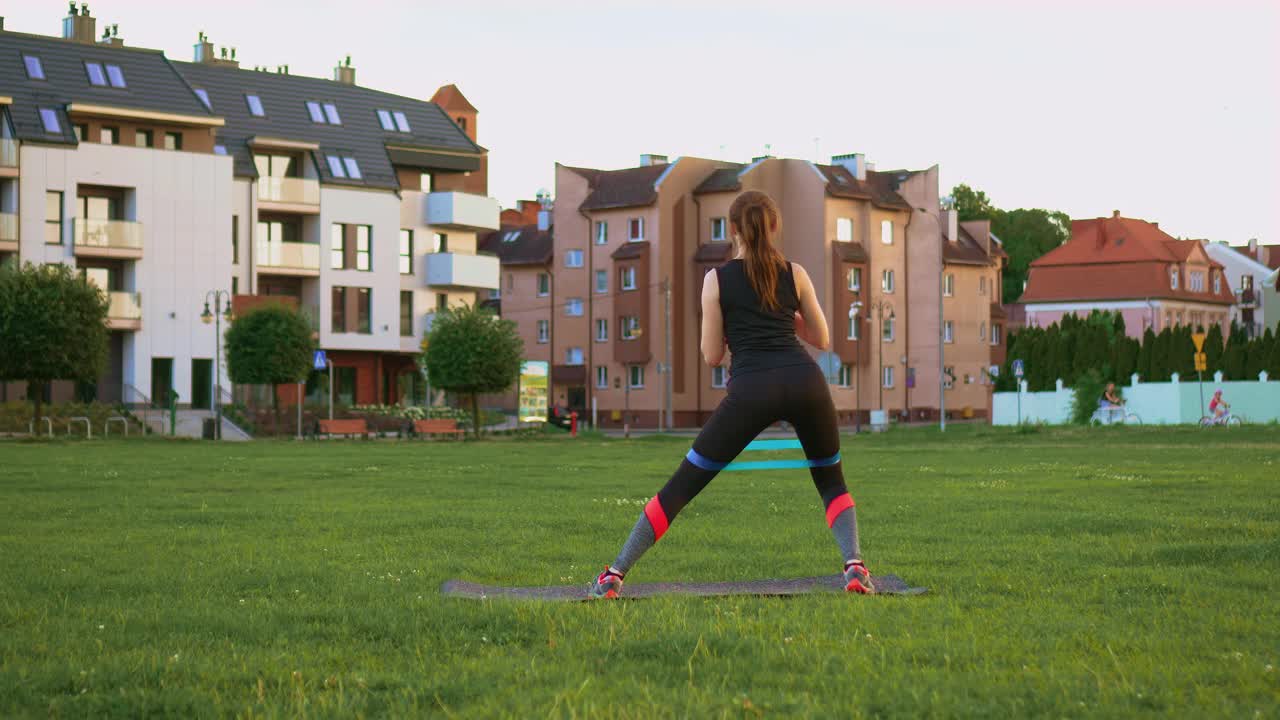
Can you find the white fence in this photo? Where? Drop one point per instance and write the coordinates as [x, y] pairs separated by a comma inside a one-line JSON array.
[[1157, 403]]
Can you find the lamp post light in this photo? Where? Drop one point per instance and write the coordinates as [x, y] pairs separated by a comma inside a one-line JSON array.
[[215, 317], [854, 308], [879, 308]]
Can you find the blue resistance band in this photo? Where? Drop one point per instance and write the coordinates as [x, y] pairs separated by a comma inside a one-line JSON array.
[[708, 464]]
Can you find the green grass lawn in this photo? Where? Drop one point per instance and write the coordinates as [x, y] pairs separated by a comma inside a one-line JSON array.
[[1112, 572]]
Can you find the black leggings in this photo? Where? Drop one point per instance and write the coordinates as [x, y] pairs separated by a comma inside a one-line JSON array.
[[797, 394]]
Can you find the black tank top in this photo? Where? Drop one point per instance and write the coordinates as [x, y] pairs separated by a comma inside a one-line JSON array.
[[759, 339]]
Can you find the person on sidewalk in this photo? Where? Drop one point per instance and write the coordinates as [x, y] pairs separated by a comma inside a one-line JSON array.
[[757, 305]]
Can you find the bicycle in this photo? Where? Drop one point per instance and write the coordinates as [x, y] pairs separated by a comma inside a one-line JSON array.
[[1115, 415], [1227, 419]]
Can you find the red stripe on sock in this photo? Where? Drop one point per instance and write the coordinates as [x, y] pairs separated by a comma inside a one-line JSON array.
[[657, 518], [837, 506]]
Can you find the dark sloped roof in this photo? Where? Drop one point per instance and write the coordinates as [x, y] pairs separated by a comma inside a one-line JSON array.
[[525, 245], [964, 250], [284, 99], [997, 311], [722, 180], [880, 188], [151, 82], [850, 252], [630, 250], [713, 253], [630, 187]]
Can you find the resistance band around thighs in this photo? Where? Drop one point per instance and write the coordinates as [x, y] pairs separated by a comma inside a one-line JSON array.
[[708, 464]]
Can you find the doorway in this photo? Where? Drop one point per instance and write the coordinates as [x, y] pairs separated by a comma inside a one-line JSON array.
[[202, 383], [161, 381]]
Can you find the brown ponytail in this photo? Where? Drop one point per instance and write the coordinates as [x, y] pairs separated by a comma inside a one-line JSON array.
[[755, 216]]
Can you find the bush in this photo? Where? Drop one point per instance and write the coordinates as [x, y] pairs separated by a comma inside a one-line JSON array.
[[1084, 401]]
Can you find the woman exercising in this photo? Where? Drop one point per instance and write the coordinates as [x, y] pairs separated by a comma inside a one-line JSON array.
[[757, 304]]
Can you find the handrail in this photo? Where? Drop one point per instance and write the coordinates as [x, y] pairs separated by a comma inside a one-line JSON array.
[[106, 427], [146, 404], [88, 429], [31, 426]]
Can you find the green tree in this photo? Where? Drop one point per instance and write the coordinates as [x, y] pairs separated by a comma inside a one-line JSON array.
[[269, 345], [53, 326], [471, 351], [970, 204], [1027, 234], [1148, 345], [1213, 347]]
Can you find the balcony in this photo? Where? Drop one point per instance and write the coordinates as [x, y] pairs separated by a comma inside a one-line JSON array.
[[8, 158], [1247, 298], [108, 238], [462, 271], [125, 311], [289, 194], [461, 211], [8, 232], [288, 258]]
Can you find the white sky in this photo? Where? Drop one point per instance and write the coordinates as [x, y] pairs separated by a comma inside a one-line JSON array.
[[1168, 111]]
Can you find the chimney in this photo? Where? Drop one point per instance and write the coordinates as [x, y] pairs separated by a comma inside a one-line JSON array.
[[1115, 213], [203, 49], [344, 73], [855, 163], [79, 26], [544, 220], [111, 36], [950, 224], [649, 159]]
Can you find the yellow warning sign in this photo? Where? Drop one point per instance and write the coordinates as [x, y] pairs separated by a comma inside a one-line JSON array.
[[1202, 364], [1198, 339]]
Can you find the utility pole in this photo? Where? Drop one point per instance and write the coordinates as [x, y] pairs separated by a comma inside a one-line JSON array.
[[942, 344], [666, 363]]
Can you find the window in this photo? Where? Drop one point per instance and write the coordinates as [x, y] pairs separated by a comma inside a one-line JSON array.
[[406, 313], [888, 377], [313, 109], [384, 119], [844, 229], [602, 377], [948, 332], [53, 217], [406, 252], [886, 281], [602, 233], [510, 236], [627, 278], [35, 70], [573, 307], [81, 131], [462, 123], [278, 231], [335, 166], [886, 232], [887, 328], [219, 149], [276, 165], [426, 182], [363, 254], [995, 334], [353, 168], [235, 239], [948, 377], [630, 327], [337, 247], [949, 284], [845, 378], [511, 281], [1217, 282], [718, 230], [544, 332], [853, 276], [573, 356], [635, 376], [49, 119], [1197, 281], [636, 227], [331, 114], [364, 310], [602, 330], [402, 122], [338, 311], [439, 243], [982, 284], [235, 286], [144, 139], [109, 136], [96, 75], [172, 141], [982, 331], [255, 105], [852, 328], [573, 259], [717, 377], [1173, 278], [442, 301], [115, 76], [204, 97], [602, 282], [495, 294], [544, 284]]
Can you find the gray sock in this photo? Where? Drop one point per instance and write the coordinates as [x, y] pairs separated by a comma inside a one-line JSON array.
[[845, 529], [641, 539]]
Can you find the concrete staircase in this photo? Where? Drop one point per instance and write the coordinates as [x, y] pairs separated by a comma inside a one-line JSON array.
[[190, 423]]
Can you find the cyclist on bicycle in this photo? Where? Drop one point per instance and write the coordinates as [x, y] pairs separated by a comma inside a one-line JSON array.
[[1111, 402], [1218, 406]]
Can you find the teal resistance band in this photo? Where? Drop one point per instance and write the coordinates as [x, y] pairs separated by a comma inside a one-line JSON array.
[[709, 464]]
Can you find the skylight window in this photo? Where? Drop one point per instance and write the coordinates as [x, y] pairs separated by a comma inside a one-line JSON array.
[[384, 119], [96, 76], [313, 109], [116, 76], [204, 97], [255, 105], [331, 112], [219, 149], [402, 122], [35, 71], [353, 169], [49, 117], [335, 166]]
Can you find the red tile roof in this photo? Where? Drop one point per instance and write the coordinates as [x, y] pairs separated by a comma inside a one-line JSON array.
[[451, 98]]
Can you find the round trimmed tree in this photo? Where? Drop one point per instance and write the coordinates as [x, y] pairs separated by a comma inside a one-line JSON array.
[[470, 351], [270, 344], [53, 326]]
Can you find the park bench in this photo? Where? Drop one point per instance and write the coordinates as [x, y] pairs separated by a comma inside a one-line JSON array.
[[344, 427], [438, 426]]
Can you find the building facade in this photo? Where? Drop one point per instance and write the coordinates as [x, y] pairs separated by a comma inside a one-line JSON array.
[[1250, 272]]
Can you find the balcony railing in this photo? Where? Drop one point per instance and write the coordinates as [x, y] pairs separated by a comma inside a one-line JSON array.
[[8, 227], [463, 211], [1247, 298], [124, 311], [302, 257], [465, 271], [108, 234], [298, 191], [8, 153]]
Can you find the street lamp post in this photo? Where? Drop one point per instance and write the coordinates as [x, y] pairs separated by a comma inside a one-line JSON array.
[[215, 317], [879, 307], [854, 308]]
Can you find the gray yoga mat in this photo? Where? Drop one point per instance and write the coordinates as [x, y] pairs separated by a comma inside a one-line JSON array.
[[885, 585]]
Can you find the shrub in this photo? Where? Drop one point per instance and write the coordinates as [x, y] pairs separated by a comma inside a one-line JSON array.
[[1084, 401]]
